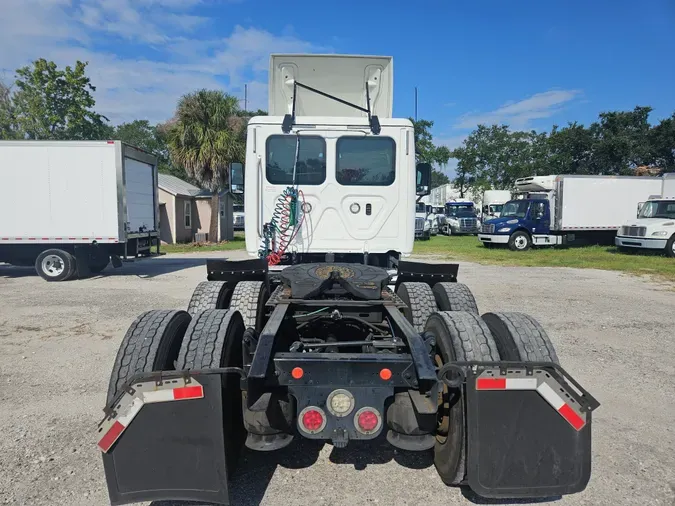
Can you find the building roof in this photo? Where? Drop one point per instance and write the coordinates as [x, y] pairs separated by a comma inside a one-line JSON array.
[[176, 186]]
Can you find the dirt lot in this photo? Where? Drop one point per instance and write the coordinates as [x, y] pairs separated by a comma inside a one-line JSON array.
[[58, 341]]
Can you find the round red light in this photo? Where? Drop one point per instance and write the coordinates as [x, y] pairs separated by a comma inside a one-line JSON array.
[[312, 420], [367, 420], [297, 373], [385, 374]]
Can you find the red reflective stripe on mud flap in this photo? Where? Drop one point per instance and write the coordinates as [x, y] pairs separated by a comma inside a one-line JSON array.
[[111, 436], [491, 384], [568, 414], [193, 392]]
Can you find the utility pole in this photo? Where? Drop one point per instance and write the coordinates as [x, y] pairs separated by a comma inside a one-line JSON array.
[[245, 97], [415, 103]]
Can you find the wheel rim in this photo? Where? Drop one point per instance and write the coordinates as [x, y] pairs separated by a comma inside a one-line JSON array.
[[672, 248], [53, 265], [520, 242]]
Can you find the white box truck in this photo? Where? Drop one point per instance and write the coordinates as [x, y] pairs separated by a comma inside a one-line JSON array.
[[69, 207], [654, 227], [567, 209]]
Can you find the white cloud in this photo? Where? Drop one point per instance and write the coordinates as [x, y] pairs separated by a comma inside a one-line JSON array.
[[519, 114], [176, 59]]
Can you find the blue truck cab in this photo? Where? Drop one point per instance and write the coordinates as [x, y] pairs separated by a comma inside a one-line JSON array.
[[521, 220], [461, 218]]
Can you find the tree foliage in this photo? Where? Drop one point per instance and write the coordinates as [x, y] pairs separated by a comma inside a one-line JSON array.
[[204, 137], [427, 151], [50, 103], [618, 143]]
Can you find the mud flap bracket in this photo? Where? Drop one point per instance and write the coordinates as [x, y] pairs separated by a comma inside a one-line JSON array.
[[528, 432]]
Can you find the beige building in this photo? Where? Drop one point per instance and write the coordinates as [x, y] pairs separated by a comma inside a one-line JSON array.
[[185, 211]]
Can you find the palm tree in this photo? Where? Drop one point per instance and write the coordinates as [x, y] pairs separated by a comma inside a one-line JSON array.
[[204, 137]]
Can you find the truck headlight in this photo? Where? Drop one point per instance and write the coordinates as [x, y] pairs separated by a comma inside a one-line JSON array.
[[660, 233], [504, 229], [512, 222]]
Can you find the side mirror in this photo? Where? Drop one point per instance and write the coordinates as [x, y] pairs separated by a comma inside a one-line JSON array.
[[423, 179], [236, 177]]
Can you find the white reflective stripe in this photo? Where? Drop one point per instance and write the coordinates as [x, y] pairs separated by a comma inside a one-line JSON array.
[[126, 418], [158, 396], [521, 383], [551, 397]]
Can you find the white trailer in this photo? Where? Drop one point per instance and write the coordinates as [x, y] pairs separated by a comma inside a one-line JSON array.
[[567, 209], [71, 206]]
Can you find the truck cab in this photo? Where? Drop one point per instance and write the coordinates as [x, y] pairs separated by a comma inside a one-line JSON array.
[[654, 227], [460, 218], [330, 171], [529, 216], [422, 221]]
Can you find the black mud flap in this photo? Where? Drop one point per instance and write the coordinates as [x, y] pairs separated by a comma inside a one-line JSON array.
[[168, 450], [528, 432], [426, 273]]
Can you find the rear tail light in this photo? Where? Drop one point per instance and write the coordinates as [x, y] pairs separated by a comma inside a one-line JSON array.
[[312, 420], [367, 420]]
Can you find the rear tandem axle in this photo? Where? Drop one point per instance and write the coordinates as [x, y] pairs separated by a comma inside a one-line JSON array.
[[334, 354]]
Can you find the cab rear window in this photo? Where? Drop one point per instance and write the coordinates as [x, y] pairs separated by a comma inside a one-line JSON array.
[[311, 167], [366, 161]]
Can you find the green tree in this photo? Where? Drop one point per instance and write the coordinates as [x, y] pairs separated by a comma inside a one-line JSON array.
[[56, 104], [621, 141], [427, 151], [204, 137], [8, 127], [662, 144], [494, 157], [150, 138], [570, 149]]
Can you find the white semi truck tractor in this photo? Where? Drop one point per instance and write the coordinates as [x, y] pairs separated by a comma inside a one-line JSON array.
[[329, 333]]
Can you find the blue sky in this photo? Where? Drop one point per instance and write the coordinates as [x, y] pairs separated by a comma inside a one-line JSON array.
[[526, 63]]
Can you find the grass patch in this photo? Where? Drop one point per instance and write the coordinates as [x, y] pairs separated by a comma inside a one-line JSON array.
[[195, 247], [469, 248]]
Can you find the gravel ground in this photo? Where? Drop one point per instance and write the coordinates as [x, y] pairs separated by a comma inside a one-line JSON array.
[[58, 342]]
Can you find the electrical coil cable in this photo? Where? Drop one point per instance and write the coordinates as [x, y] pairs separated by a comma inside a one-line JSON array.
[[287, 219]]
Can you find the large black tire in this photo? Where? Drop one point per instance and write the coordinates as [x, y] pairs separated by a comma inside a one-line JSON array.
[[520, 241], [670, 247], [454, 297], [55, 265], [420, 302], [214, 339], [210, 295], [460, 336], [519, 337], [151, 344], [249, 298]]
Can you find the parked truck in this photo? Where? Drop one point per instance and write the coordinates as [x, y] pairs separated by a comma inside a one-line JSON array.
[[68, 208], [329, 333], [461, 218], [493, 202], [654, 228], [570, 209]]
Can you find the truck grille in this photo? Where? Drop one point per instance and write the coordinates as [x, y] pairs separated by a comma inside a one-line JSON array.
[[468, 224], [634, 231], [419, 223], [488, 228]]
